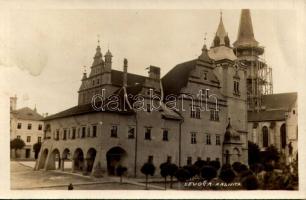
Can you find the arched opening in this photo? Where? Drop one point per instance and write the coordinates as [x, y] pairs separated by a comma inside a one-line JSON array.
[[78, 160], [66, 159], [283, 136], [265, 136], [54, 161], [236, 155], [90, 159], [43, 158], [115, 156]]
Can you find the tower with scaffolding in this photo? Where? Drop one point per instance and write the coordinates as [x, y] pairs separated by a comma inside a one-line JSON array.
[[250, 55]]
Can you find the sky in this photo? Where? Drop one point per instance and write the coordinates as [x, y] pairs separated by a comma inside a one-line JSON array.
[[43, 52]]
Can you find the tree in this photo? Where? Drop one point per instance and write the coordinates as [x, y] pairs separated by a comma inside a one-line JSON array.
[[120, 171], [182, 174], [36, 148], [236, 166], [148, 169], [216, 164], [17, 144], [227, 175], [172, 170], [253, 153], [208, 172], [164, 171], [271, 154]]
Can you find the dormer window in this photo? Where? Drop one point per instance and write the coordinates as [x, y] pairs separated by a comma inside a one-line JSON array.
[[205, 75]]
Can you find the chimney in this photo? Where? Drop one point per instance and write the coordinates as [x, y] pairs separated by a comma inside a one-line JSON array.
[[125, 66], [13, 103], [154, 72]]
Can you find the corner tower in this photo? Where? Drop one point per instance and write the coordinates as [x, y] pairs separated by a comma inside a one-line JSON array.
[[248, 51]]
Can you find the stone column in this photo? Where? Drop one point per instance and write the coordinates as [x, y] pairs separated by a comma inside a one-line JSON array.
[[62, 164], [100, 164]]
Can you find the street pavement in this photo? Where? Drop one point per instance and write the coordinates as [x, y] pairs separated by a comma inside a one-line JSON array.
[[23, 176]]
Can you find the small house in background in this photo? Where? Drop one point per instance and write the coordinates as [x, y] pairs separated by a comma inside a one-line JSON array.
[[25, 124]]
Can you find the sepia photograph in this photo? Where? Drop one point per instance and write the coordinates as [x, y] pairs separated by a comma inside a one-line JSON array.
[[152, 99]]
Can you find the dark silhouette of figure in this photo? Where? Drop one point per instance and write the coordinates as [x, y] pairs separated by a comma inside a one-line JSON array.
[[70, 186], [290, 148]]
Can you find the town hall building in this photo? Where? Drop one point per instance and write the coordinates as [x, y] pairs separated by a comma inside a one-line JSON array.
[[202, 113]]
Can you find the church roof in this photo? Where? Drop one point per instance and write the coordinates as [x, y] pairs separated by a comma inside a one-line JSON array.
[[245, 33], [275, 107], [27, 113], [222, 52], [221, 33], [280, 101]]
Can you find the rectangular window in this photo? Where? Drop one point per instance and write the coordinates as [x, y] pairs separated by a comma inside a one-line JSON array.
[[57, 135], [208, 139], [236, 88], [65, 135], [208, 159], [88, 131], [29, 126], [169, 159], [73, 133], [131, 133], [195, 112], [189, 160], [39, 139], [94, 131], [19, 126], [214, 115], [165, 135], [114, 131], [18, 137], [193, 138], [218, 141], [150, 159], [148, 134], [83, 132], [39, 127], [28, 138], [148, 108]]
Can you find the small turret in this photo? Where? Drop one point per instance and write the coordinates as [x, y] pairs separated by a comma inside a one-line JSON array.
[[98, 58], [108, 61]]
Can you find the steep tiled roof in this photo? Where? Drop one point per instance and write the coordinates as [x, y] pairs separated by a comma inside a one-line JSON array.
[[80, 110], [222, 52], [132, 79], [281, 101], [245, 32], [273, 115], [26, 114], [275, 107], [177, 77]]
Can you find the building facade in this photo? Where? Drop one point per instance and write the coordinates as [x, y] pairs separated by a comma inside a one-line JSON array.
[[27, 125], [196, 119], [201, 109]]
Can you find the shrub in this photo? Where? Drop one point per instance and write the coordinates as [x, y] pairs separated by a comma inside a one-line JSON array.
[[236, 167], [227, 175], [192, 170], [216, 164], [208, 172], [226, 166], [250, 182]]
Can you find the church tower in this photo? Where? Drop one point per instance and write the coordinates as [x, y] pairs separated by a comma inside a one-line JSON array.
[[248, 51], [232, 78]]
